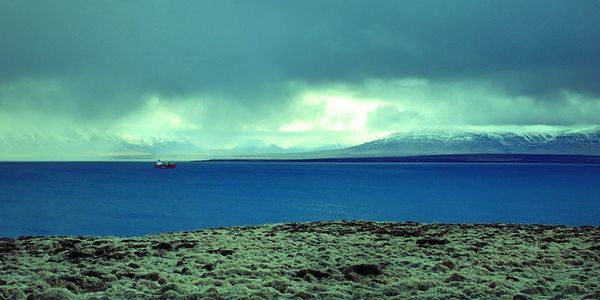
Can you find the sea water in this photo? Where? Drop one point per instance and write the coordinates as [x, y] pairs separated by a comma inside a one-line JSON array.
[[134, 198]]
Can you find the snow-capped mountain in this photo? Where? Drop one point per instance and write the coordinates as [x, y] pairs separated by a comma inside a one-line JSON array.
[[323, 144], [37, 146], [432, 142], [256, 146], [154, 145]]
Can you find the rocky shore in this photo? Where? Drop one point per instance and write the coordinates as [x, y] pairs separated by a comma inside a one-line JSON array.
[[320, 260]]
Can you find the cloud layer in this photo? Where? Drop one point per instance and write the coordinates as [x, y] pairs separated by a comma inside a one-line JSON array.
[[218, 73]]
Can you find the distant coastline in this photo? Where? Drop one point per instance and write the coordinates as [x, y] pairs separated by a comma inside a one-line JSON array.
[[449, 158]]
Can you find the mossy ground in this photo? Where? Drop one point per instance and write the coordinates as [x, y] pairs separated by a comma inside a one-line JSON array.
[[356, 260]]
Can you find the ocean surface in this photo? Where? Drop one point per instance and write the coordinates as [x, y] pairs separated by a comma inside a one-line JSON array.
[[134, 198]]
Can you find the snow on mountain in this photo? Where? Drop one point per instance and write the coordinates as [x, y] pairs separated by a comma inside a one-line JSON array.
[[431, 142], [323, 147], [154, 145], [38, 146], [256, 146], [321, 144]]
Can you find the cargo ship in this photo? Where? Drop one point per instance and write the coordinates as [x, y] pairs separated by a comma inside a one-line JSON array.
[[164, 164]]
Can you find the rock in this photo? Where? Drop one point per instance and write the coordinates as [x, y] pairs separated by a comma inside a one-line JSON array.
[[163, 246], [141, 253], [8, 246], [133, 265], [404, 233], [169, 287], [303, 295], [455, 277], [93, 273], [110, 253], [25, 237], [186, 244], [297, 227], [34, 295], [315, 273], [72, 287], [594, 295], [69, 243], [154, 276], [477, 246], [129, 275], [448, 264], [431, 242], [76, 254], [363, 269], [223, 252], [88, 284], [573, 289], [184, 271], [480, 244]]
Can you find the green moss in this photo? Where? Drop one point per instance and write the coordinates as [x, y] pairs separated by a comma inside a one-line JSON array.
[[460, 261]]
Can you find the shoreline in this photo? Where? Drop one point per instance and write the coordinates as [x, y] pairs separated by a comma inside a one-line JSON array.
[[374, 158], [336, 259], [443, 158]]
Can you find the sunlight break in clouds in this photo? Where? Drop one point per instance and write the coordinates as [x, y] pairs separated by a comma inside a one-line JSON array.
[[335, 112]]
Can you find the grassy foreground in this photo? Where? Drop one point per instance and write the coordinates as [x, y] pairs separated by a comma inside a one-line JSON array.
[[361, 260]]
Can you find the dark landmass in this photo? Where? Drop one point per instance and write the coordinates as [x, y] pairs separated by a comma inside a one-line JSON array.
[[451, 158], [319, 260]]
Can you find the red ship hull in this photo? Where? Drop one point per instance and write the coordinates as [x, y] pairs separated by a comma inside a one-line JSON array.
[[165, 167]]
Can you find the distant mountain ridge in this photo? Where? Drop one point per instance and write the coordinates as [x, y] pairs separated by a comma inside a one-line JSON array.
[[111, 146], [438, 142], [256, 146], [411, 143], [44, 147], [155, 145]]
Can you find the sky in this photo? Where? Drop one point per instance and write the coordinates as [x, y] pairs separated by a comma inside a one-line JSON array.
[[220, 73]]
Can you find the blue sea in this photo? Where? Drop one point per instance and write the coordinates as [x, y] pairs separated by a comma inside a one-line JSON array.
[[134, 198]]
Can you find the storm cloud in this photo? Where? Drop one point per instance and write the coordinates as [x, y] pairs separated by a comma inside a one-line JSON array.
[[231, 70]]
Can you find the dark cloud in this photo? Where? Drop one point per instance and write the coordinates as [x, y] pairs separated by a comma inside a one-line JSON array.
[[247, 62], [232, 46]]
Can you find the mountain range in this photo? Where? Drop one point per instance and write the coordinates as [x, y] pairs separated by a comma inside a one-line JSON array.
[[439, 142], [36, 146], [411, 143]]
